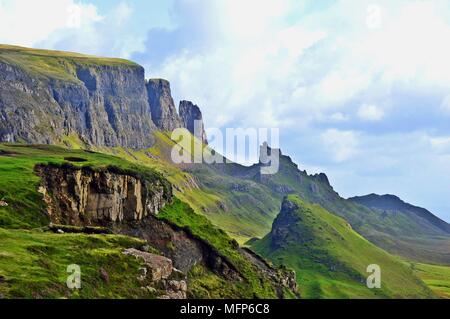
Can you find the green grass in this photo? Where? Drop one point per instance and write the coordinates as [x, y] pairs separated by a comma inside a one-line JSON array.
[[34, 265], [23, 222], [436, 277], [254, 284], [59, 65], [331, 259]]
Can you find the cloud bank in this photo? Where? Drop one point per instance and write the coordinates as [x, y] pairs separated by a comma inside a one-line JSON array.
[[359, 89]]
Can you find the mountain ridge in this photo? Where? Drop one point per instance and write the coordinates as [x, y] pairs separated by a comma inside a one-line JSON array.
[[390, 202]]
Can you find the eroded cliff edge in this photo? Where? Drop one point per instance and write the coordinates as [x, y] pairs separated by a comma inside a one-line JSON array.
[[128, 203]]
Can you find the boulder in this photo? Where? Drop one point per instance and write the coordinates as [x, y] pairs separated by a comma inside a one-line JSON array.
[[158, 267]]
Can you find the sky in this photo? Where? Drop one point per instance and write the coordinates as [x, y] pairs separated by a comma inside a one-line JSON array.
[[360, 89]]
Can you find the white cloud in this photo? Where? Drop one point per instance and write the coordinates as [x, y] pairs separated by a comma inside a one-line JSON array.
[[308, 66], [342, 145], [370, 112], [26, 23]]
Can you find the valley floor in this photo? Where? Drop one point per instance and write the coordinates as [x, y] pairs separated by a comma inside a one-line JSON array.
[[436, 277]]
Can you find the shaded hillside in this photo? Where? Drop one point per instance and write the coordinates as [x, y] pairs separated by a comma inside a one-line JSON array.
[[330, 258], [390, 204]]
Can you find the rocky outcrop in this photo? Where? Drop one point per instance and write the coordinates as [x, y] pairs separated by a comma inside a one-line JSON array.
[[103, 105], [164, 113], [158, 267], [84, 196], [285, 279], [161, 274], [282, 226], [192, 119], [54, 98], [322, 178], [178, 244]]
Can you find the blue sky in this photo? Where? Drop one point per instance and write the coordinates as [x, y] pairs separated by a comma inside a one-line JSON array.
[[359, 89]]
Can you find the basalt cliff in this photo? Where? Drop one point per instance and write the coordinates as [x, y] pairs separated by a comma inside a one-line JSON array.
[[52, 97]]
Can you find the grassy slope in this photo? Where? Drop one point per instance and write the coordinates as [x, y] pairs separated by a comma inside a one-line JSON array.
[[399, 234], [331, 259], [254, 285], [54, 64], [250, 214], [34, 265], [436, 277], [242, 214], [25, 245]]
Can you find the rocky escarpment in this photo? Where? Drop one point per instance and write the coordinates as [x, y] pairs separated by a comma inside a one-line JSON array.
[[127, 203], [192, 119], [49, 97], [85, 196], [164, 113], [102, 104]]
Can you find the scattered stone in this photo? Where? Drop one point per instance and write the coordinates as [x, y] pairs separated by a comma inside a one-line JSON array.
[[178, 275], [222, 206], [158, 267], [146, 248], [174, 295], [104, 275], [149, 289], [143, 274]]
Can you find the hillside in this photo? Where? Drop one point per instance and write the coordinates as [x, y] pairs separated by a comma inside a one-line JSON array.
[[391, 204], [414, 232], [67, 207], [330, 258], [407, 235]]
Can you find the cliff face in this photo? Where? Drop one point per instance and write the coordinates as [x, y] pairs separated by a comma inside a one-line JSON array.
[[104, 105], [49, 97], [82, 196], [163, 109], [192, 119]]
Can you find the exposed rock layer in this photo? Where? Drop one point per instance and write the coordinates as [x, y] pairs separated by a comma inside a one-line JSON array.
[[102, 106], [83, 196], [192, 119], [164, 113]]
